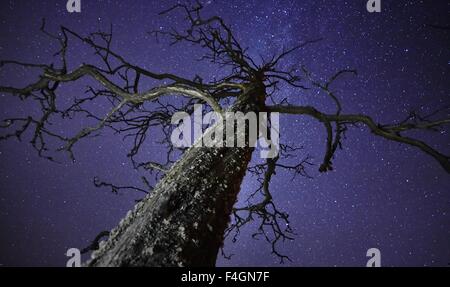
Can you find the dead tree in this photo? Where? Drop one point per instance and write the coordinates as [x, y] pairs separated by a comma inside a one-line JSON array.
[[182, 221]]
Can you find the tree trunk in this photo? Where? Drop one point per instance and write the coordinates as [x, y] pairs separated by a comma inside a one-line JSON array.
[[182, 222]]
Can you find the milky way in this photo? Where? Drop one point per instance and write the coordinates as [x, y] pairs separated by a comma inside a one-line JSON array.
[[381, 194]]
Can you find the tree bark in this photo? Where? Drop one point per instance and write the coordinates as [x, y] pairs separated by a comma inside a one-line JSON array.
[[182, 222]]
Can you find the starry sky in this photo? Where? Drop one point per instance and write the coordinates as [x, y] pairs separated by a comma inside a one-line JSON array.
[[381, 194]]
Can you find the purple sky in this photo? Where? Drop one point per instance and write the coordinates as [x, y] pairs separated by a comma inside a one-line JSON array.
[[381, 194]]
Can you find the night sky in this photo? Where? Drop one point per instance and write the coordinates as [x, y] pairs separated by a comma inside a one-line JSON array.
[[381, 194]]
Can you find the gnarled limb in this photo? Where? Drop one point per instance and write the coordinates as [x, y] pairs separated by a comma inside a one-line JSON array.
[[391, 132]]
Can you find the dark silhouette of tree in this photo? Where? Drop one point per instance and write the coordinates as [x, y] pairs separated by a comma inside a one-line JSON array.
[[182, 221]]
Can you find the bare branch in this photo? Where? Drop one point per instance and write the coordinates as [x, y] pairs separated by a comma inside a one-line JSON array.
[[390, 132], [95, 244]]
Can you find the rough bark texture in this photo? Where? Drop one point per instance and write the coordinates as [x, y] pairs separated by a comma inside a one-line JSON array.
[[182, 222]]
